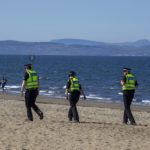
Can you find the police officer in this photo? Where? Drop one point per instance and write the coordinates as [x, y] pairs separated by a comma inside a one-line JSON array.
[[31, 84], [129, 83], [73, 88]]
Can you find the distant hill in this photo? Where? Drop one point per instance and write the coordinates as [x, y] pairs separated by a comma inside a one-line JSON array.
[[142, 42], [75, 47], [79, 42]]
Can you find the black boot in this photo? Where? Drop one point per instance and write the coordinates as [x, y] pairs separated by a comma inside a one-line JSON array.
[[40, 114]]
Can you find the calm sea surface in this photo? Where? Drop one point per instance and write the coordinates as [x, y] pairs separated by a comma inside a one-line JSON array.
[[100, 76]]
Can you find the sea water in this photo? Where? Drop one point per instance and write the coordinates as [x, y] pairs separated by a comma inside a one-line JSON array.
[[99, 75]]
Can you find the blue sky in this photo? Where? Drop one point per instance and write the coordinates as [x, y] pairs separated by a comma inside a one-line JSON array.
[[97, 20]]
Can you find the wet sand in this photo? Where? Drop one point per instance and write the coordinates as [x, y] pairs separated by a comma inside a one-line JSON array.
[[100, 126]]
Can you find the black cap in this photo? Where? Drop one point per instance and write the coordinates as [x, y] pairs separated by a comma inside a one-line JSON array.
[[28, 65], [126, 69], [72, 73]]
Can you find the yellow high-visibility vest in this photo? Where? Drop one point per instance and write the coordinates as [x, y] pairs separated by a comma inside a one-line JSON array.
[[32, 81], [130, 82], [75, 83]]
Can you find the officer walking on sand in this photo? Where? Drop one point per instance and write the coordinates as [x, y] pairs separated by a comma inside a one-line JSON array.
[[73, 89], [129, 83], [31, 84]]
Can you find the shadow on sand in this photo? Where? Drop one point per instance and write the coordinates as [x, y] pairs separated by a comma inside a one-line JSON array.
[[84, 122]]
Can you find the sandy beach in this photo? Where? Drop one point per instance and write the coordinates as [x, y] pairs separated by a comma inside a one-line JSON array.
[[100, 126]]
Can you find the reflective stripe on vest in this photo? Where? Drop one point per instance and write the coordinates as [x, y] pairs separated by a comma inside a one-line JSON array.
[[74, 84], [32, 81], [130, 82]]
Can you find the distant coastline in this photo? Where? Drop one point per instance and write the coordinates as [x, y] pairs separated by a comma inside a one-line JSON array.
[[75, 47]]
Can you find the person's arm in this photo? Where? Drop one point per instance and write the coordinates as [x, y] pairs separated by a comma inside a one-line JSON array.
[[82, 91], [26, 76], [67, 88], [38, 85], [136, 84], [22, 87], [67, 92], [123, 81]]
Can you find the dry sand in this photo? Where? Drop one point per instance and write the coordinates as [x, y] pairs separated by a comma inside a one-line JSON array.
[[101, 126]]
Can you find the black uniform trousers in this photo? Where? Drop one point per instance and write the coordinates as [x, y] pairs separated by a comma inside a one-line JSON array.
[[128, 97], [30, 98], [73, 99]]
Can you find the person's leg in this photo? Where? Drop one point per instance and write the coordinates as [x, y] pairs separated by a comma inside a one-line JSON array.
[[70, 114], [125, 117], [131, 118], [76, 96], [127, 102], [28, 105], [34, 106]]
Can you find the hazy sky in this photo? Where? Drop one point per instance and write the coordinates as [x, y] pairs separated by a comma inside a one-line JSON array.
[[98, 20]]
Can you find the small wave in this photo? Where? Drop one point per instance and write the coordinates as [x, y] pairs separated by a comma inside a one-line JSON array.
[[42, 91], [12, 87], [92, 96], [53, 88], [51, 92], [46, 94], [146, 101], [64, 86], [136, 100], [120, 93]]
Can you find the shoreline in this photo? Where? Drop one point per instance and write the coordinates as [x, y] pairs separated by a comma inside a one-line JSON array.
[[82, 103]]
